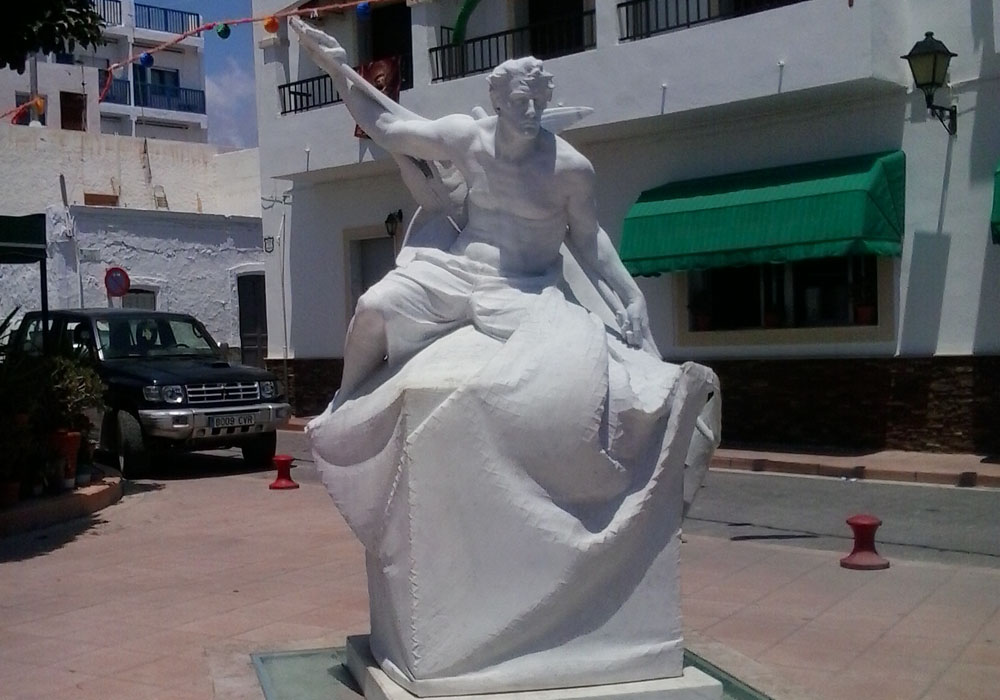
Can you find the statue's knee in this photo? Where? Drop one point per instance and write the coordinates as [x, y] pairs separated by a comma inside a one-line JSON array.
[[370, 306]]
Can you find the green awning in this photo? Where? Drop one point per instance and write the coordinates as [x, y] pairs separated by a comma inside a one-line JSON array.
[[814, 210], [22, 238], [995, 218]]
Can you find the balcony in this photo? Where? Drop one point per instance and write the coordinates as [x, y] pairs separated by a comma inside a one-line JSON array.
[[161, 19], [118, 93], [639, 19], [109, 10], [306, 94], [177, 99], [311, 93], [559, 37]]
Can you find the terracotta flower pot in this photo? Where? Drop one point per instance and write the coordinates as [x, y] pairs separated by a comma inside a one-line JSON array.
[[66, 444]]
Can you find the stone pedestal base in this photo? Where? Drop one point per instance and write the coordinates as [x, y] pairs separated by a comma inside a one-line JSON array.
[[692, 685]]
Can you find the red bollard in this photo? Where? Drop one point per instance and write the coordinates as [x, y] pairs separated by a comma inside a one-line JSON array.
[[284, 480], [864, 556]]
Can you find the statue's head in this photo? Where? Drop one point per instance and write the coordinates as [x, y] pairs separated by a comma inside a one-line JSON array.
[[520, 89]]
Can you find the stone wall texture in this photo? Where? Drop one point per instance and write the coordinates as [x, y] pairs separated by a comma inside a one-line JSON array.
[[310, 383], [936, 404]]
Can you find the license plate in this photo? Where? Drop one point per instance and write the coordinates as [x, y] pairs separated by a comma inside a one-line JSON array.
[[232, 421]]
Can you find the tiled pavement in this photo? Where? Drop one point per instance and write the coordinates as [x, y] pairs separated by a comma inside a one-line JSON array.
[[165, 594]]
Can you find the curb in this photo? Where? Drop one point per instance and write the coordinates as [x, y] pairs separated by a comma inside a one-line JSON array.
[[36, 513], [962, 479], [296, 424]]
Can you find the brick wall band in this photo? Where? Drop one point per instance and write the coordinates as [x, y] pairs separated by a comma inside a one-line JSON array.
[[310, 384], [937, 404]]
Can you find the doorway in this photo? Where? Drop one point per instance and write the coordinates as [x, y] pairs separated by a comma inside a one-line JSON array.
[[370, 260], [253, 319], [556, 27], [391, 35]]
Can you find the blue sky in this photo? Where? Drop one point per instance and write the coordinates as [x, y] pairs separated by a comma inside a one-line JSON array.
[[229, 79]]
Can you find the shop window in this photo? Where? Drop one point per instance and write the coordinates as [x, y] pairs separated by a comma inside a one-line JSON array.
[[825, 292]]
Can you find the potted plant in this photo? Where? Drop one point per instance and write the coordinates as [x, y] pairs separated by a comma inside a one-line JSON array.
[[70, 388]]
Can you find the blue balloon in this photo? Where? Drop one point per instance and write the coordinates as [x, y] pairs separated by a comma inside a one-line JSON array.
[[145, 59], [363, 10]]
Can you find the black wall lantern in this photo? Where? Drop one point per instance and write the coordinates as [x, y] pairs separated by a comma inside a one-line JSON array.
[[392, 222], [929, 59]]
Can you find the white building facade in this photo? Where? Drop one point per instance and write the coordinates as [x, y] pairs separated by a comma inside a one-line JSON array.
[[182, 219], [889, 341], [163, 101]]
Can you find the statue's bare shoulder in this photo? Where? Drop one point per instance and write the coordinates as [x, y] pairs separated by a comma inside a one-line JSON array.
[[572, 167]]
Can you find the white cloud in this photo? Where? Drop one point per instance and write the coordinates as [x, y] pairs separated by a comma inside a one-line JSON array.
[[231, 105]]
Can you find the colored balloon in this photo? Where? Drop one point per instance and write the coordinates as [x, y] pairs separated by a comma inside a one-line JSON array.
[[145, 59], [223, 30], [271, 25], [363, 10]]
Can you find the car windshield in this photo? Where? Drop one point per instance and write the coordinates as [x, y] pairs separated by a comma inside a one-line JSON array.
[[153, 336]]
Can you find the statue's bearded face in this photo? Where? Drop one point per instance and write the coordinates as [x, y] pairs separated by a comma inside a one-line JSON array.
[[522, 107]]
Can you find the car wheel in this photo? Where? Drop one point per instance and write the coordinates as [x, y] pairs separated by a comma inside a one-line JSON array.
[[259, 453], [133, 457]]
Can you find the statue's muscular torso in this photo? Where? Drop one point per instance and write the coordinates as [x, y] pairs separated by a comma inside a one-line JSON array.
[[517, 209]]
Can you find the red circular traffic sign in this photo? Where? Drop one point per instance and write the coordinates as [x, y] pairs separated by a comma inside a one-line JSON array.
[[116, 281]]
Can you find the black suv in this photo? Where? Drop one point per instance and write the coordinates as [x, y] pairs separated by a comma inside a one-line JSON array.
[[168, 384]]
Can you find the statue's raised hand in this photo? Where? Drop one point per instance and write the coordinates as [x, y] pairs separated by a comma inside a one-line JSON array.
[[323, 48]]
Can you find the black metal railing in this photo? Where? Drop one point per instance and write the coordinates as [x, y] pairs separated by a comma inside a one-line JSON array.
[[638, 19], [118, 93], [109, 10], [310, 93], [169, 97], [557, 37], [162, 19]]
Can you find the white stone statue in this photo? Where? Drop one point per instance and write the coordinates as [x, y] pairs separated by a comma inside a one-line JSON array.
[[516, 470]]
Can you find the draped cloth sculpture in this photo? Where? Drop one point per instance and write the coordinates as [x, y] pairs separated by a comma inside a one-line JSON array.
[[516, 470]]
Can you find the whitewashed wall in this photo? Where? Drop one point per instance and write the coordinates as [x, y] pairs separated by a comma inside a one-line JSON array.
[[237, 182], [191, 261], [34, 160], [812, 81]]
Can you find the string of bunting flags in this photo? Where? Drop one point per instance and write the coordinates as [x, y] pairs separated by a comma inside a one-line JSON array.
[[223, 30]]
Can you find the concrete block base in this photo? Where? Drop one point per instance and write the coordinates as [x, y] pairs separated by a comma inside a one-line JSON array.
[[692, 685]]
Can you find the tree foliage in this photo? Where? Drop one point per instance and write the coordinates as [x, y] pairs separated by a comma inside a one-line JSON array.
[[47, 26]]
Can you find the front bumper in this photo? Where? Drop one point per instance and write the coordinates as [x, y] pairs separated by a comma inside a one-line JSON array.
[[193, 425]]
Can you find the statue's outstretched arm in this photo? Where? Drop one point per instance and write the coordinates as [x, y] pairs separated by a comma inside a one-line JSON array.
[[389, 124]]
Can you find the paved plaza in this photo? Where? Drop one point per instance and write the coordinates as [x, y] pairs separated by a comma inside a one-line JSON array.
[[167, 593]]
